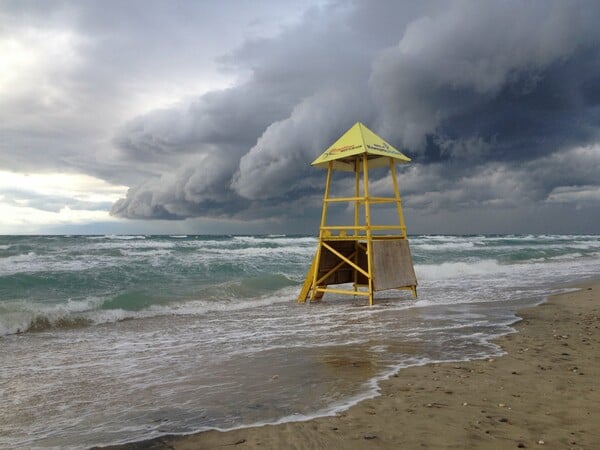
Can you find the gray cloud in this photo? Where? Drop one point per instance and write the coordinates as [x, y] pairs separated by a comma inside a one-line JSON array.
[[50, 203], [497, 103], [472, 89], [581, 196], [488, 70], [276, 166], [82, 69]]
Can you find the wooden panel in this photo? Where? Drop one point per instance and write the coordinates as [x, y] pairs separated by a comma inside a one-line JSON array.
[[392, 265]]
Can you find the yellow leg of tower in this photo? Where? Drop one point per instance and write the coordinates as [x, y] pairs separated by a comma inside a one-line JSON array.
[[368, 227], [313, 294], [356, 217], [398, 198]]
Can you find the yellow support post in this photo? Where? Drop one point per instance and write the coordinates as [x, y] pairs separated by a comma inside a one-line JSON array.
[[322, 232], [356, 194], [356, 215], [398, 199], [307, 282], [368, 225]]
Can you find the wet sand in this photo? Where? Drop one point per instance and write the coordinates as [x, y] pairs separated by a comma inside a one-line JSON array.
[[544, 393]]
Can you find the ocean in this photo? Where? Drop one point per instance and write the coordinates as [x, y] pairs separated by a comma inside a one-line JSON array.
[[111, 339]]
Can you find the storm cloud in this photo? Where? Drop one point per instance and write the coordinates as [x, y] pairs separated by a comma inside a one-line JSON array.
[[498, 104], [493, 100]]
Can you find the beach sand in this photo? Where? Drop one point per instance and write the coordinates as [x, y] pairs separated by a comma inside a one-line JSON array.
[[544, 393]]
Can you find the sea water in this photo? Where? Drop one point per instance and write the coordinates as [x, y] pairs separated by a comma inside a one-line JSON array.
[[111, 339]]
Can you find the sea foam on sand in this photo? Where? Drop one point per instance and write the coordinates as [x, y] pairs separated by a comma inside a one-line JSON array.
[[543, 391]]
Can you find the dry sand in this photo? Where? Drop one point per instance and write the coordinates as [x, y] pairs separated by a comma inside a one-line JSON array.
[[544, 393]]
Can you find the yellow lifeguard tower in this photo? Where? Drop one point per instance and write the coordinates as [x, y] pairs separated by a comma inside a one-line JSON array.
[[371, 257]]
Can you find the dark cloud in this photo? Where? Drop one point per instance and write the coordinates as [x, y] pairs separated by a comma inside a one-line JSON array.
[[304, 87], [485, 95], [498, 103], [500, 70]]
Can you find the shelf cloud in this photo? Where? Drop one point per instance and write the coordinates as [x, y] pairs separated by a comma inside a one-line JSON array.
[[496, 102]]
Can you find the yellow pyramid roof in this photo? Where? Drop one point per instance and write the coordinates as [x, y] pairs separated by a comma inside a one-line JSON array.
[[359, 140]]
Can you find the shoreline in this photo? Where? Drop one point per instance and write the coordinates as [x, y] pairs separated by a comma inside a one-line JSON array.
[[541, 392]]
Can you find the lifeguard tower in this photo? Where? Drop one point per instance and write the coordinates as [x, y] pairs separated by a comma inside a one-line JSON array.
[[371, 257]]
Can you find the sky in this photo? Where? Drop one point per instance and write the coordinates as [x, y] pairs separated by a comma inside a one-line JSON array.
[[203, 117]]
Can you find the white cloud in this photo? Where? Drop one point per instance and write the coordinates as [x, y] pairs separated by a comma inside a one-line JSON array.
[[28, 203], [33, 59], [77, 186], [23, 219]]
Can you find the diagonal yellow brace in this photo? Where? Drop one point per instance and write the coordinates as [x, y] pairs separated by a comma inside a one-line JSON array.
[[343, 258], [324, 277]]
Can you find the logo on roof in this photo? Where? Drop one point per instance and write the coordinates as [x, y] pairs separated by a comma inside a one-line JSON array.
[[345, 148], [383, 147]]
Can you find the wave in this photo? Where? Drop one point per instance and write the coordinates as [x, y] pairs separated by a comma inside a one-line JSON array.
[[447, 270], [32, 263], [280, 240], [211, 273], [42, 323], [129, 244], [16, 318], [444, 246], [199, 307], [182, 243], [146, 252], [22, 318]]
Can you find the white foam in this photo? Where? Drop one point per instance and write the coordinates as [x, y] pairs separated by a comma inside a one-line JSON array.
[[277, 240], [125, 244], [448, 270], [259, 252], [136, 251], [17, 317], [444, 246], [32, 262], [199, 307], [15, 263]]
